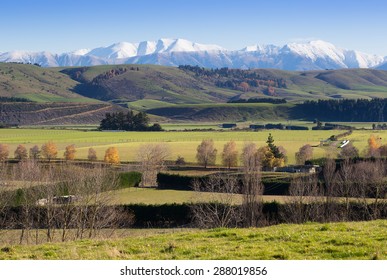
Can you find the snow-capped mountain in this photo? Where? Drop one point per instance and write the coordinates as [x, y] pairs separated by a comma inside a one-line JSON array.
[[313, 55]]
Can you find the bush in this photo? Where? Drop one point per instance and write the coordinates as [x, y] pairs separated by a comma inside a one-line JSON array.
[[272, 186], [175, 182], [130, 179]]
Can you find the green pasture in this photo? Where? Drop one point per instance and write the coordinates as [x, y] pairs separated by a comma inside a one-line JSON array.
[[333, 241], [157, 197], [183, 143]]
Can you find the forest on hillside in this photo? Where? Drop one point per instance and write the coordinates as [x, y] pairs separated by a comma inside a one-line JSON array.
[[348, 110]]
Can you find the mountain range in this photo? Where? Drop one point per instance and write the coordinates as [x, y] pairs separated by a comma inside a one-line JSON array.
[[313, 55]]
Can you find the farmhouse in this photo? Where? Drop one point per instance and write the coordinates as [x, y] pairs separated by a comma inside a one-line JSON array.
[[64, 199], [311, 169]]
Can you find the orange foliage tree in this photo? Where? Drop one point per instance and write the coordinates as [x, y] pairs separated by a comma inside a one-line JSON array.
[[70, 152], [4, 152], [49, 150], [112, 156], [244, 86], [374, 143]]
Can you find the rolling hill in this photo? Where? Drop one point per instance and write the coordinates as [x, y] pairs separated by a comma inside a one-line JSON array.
[[186, 92]]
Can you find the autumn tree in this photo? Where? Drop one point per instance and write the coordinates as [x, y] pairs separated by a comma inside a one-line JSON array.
[[112, 156], [92, 154], [34, 152], [304, 153], [21, 152], [270, 155], [244, 86], [70, 152], [374, 142], [230, 154], [49, 150], [4, 152], [206, 153]]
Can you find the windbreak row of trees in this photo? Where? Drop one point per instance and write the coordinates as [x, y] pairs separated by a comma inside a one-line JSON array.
[[351, 191], [49, 151], [58, 202], [270, 155]]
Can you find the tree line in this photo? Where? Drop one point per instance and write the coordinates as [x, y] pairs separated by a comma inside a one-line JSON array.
[[237, 79], [350, 110], [128, 122], [259, 100]]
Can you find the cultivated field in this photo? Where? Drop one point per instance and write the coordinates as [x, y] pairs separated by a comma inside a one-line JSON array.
[[183, 143]]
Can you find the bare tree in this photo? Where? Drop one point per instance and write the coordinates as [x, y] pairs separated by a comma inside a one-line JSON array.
[[206, 153], [29, 175], [230, 154], [370, 186], [304, 153], [34, 152], [220, 206], [249, 156], [252, 189], [152, 160], [6, 198], [349, 152], [329, 171], [92, 154], [344, 185], [304, 199]]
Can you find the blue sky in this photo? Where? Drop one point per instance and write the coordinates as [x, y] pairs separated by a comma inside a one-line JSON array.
[[66, 25]]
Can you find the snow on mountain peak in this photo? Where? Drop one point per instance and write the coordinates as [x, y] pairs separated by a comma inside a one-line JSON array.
[[315, 54], [317, 49], [164, 45]]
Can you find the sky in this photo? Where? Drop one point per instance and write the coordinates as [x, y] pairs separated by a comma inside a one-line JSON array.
[[67, 25]]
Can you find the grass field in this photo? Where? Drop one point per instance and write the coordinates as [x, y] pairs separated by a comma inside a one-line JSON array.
[[155, 196], [338, 241], [183, 143]]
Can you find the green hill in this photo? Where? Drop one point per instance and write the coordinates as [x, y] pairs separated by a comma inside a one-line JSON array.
[[38, 84], [187, 93], [334, 241]]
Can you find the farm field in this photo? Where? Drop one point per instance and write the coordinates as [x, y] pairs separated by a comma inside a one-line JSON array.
[[156, 196], [338, 241], [181, 143]]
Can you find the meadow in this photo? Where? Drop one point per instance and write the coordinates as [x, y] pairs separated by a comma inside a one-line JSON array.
[[183, 143], [311, 241]]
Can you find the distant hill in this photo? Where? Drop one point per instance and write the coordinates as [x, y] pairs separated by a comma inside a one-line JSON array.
[[24, 113], [185, 92], [195, 85], [37, 84]]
